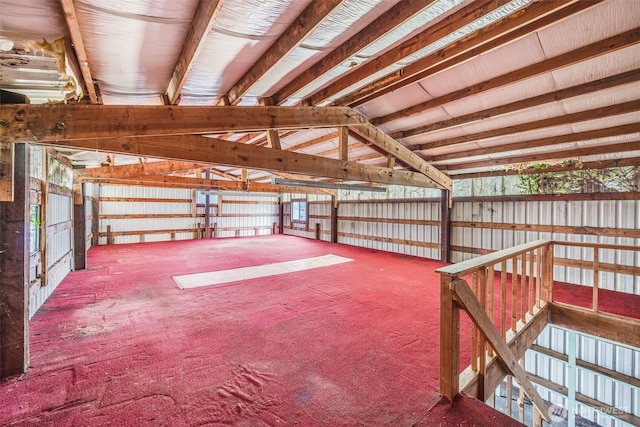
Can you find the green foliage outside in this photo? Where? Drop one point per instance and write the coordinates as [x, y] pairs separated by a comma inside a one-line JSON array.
[[617, 179]]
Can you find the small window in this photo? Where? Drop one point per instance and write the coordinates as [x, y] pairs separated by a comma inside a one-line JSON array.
[[200, 197], [299, 210], [34, 229]]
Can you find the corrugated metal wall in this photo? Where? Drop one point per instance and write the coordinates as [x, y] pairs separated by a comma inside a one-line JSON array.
[[244, 215], [603, 388], [479, 226], [319, 214], [405, 226], [59, 244], [145, 214]]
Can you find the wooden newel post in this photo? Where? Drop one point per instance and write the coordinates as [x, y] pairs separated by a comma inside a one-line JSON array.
[[449, 340]]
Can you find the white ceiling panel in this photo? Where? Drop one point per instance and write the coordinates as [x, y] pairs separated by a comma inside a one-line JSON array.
[[502, 95], [500, 61], [623, 119], [597, 68], [604, 20], [402, 98], [613, 96], [423, 118]]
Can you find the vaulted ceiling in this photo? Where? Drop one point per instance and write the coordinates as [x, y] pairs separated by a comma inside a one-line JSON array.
[[432, 90]]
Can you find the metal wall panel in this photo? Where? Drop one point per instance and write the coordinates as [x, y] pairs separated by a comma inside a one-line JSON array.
[[577, 214], [605, 389]]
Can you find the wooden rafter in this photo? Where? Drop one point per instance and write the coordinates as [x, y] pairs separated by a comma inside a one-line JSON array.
[[400, 152], [193, 42], [513, 27], [547, 156], [62, 122], [291, 38], [583, 89], [343, 143], [601, 47], [71, 18], [386, 22], [567, 119], [541, 142], [443, 27], [218, 151]]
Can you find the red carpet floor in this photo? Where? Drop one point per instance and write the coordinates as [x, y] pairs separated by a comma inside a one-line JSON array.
[[352, 344]]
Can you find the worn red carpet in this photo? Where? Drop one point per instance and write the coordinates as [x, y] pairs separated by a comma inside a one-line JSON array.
[[351, 344]]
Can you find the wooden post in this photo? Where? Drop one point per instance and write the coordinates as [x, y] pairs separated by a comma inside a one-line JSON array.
[[95, 222], [280, 216], [109, 235], [334, 219], [14, 265], [318, 233], [7, 156], [215, 230], [274, 228], [79, 228], [449, 340], [445, 227], [207, 207]]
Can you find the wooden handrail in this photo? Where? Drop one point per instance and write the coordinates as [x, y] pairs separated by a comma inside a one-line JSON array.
[[469, 266]]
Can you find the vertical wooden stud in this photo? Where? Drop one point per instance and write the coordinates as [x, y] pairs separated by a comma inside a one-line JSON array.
[[449, 340]]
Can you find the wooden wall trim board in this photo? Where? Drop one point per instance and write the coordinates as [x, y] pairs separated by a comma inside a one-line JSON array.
[[631, 195], [144, 200], [619, 376], [604, 325], [59, 227], [390, 240], [61, 191], [543, 228]]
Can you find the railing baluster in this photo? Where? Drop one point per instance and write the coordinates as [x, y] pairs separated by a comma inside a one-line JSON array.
[[539, 278], [531, 301], [474, 328], [596, 278], [523, 292], [490, 285], [482, 293], [514, 293], [503, 311]]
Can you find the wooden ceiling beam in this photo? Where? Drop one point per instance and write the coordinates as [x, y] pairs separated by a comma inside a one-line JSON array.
[[202, 183], [570, 92], [218, 151], [26, 122], [601, 47], [513, 27], [144, 169], [547, 156], [431, 34], [567, 119], [541, 142], [291, 38], [389, 20], [400, 152], [71, 18], [196, 36]]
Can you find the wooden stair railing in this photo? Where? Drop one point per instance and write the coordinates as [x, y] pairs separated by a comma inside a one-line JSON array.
[[531, 284]]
